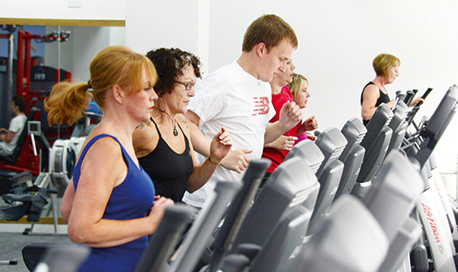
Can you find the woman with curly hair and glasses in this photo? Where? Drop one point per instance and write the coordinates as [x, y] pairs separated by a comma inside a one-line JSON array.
[[163, 144]]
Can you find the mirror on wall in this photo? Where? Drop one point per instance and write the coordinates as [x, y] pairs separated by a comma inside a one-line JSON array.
[[70, 58]]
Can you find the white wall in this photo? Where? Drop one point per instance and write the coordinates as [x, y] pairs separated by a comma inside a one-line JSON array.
[[176, 23], [59, 9], [337, 41]]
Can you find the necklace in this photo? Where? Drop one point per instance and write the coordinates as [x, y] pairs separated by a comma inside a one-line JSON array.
[[175, 131]]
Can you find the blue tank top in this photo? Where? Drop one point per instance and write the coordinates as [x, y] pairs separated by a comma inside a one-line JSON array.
[[131, 199]]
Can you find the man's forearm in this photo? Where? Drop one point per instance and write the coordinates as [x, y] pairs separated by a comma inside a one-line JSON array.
[[273, 131]]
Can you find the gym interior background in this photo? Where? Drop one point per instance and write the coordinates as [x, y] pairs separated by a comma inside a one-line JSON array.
[[337, 42]]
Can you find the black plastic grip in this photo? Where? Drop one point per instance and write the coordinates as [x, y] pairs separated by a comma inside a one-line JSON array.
[[424, 96], [426, 93], [408, 97]]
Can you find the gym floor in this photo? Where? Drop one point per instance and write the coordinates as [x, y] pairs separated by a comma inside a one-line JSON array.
[[12, 244], [12, 240]]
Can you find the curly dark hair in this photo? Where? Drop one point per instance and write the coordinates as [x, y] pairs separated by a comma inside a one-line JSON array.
[[169, 64]]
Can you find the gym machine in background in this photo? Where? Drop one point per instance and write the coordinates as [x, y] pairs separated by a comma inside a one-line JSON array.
[[6, 65], [27, 76]]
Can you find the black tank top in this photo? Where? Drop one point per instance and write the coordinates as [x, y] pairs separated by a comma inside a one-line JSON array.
[[169, 171], [383, 98]]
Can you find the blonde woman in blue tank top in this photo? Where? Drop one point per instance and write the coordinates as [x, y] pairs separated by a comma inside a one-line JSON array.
[[109, 205]]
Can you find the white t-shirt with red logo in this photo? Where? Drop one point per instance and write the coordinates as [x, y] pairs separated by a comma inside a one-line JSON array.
[[232, 98]]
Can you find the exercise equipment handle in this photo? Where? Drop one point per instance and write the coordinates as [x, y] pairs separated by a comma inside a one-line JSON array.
[[408, 97], [425, 95], [34, 147], [399, 97]]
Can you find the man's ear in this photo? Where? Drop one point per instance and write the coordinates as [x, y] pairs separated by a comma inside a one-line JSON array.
[[261, 49], [118, 93]]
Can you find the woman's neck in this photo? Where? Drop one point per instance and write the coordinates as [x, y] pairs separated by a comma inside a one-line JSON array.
[[276, 88], [162, 106], [380, 82], [121, 128], [117, 121]]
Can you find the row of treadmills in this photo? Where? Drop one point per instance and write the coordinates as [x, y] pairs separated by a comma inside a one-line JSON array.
[[357, 199]]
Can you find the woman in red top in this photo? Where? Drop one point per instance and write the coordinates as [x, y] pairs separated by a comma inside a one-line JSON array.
[[299, 89], [277, 150]]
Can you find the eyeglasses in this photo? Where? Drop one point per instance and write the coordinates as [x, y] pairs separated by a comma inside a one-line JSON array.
[[187, 85]]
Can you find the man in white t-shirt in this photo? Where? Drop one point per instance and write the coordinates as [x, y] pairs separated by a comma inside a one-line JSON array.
[[10, 136], [238, 97]]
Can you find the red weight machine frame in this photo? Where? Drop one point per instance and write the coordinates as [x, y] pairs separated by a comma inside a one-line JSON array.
[[24, 65], [27, 161]]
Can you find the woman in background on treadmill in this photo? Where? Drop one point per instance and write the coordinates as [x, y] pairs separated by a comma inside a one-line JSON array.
[[386, 68]]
